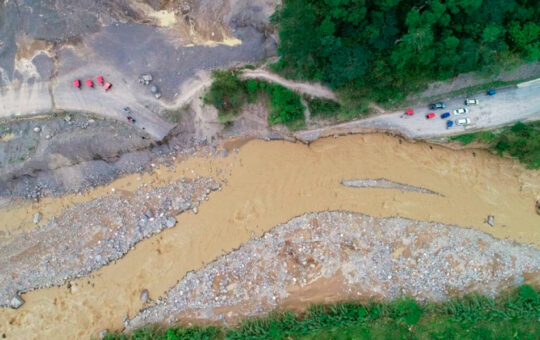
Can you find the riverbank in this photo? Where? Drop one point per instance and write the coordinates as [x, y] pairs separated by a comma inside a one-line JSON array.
[[268, 183]]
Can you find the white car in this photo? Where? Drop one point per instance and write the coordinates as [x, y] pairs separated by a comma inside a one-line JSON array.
[[459, 112], [471, 101], [463, 121]]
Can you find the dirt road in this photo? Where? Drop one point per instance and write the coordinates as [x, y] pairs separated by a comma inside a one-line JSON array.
[[313, 89], [507, 106]]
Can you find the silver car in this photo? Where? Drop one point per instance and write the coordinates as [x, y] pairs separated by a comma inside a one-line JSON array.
[[461, 111], [463, 121], [471, 102]]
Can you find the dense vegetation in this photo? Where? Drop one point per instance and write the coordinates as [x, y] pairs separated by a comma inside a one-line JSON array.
[[229, 93], [383, 49], [511, 316], [521, 141]]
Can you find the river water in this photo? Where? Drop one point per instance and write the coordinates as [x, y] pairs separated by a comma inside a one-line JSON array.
[[268, 183]]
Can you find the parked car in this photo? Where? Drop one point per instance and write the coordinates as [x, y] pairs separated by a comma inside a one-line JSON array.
[[409, 112], [445, 115], [89, 83], [435, 106], [461, 111], [77, 83], [471, 101], [463, 121], [127, 110], [430, 115], [107, 86], [449, 124], [491, 92]]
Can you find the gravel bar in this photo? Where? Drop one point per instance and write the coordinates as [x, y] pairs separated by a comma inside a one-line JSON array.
[[339, 256], [88, 236]]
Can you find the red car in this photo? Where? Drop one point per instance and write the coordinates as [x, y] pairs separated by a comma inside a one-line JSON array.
[[100, 79], [409, 112], [430, 115], [77, 83], [89, 83], [107, 86]]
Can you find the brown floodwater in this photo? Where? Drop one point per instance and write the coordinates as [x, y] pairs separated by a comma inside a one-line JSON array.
[[268, 183]]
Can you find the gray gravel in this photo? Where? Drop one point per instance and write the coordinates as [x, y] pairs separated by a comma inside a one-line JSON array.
[[87, 236], [369, 257], [384, 183]]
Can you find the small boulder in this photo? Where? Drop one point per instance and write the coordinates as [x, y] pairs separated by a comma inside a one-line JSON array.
[[195, 210], [153, 89], [157, 95], [224, 153], [103, 333], [490, 220], [144, 295], [16, 302], [149, 213], [147, 77], [37, 129], [37, 218], [171, 222]]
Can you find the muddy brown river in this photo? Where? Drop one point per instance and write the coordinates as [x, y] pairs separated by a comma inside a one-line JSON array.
[[269, 183]]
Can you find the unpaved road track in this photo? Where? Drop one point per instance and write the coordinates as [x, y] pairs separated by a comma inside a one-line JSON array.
[[313, 89], [507, 106]]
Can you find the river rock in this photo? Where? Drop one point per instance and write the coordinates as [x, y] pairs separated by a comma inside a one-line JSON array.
[[171, 221], [16, 302], [144, 295], [103, 333], [37, 218], [490, 220]]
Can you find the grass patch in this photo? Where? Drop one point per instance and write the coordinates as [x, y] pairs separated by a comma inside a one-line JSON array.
[[520, 140], [229, 94], [175, 116], [513, 315], [320, 107]]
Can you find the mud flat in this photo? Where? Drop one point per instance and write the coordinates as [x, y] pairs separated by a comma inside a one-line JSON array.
[[335, 256], [267, 184]]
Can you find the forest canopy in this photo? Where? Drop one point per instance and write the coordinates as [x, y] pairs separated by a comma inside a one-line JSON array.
[[387, 48]]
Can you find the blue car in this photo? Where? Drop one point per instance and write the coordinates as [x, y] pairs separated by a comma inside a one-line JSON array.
[[491, 92], [449, 124], [445, 115]]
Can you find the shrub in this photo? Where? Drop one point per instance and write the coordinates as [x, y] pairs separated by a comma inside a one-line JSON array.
[[286, 106], [227, 93]]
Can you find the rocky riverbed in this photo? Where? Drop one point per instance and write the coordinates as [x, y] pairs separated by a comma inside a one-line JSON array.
[[337, 255], [88, 236]]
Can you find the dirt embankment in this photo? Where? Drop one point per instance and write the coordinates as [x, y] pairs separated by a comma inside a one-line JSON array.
[[269, 183]]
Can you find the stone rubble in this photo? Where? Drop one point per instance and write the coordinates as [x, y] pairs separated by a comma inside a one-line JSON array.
[[368, 257], [88, 236]]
